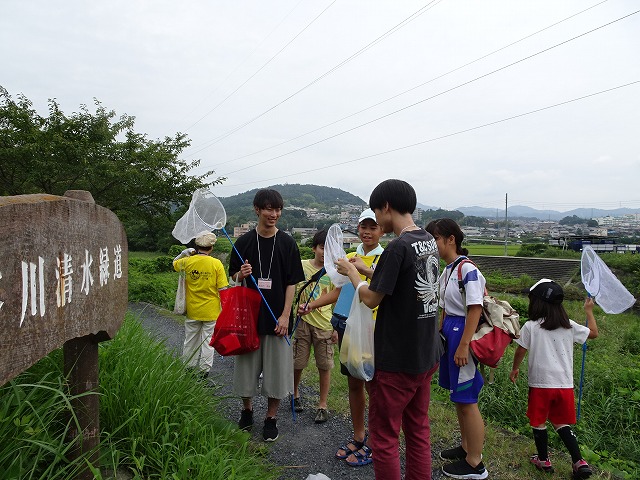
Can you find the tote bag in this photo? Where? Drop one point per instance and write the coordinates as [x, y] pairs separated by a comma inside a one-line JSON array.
[[356, 352], [180, 307], [236, 329]]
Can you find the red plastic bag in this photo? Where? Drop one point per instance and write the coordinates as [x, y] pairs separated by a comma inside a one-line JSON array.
[[236, 329]]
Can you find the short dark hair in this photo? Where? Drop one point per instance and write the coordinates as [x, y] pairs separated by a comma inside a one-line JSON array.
[[267, 197], [445, 227], [553, 315], [319, 238], [397, 193]]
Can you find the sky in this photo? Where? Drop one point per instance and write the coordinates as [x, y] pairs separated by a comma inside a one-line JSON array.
[[469, 101]]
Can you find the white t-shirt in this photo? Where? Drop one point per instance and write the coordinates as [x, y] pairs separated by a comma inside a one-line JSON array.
[[551, 353], [451, 298]]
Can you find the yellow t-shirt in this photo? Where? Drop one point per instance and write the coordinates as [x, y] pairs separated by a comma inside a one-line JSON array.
[[205, 276], [319, 317], [368, 261]]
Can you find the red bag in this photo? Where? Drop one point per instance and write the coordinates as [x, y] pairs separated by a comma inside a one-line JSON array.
[[499, 324], [494, 335], [236, 329]]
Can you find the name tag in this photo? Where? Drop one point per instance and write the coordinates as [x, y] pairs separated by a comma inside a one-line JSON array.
[[264, 283]]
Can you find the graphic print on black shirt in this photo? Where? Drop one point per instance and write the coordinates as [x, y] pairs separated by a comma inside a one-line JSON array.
[[427, 272]]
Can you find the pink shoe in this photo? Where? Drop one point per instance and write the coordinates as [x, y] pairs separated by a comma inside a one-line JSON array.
[[542, 464], [581, 469]]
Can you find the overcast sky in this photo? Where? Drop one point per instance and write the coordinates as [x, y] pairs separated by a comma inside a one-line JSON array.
[[348, 93]]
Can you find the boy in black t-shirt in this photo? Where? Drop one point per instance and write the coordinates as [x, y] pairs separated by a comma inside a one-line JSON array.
[[273, 258], [407, 343]]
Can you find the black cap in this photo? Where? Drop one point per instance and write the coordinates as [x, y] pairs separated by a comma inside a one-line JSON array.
[[547, 290]]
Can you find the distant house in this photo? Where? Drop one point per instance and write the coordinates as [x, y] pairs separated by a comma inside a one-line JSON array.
[[304, 231], [242, 229]]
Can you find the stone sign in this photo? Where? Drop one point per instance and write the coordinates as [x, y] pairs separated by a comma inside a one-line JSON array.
[[63, 275]]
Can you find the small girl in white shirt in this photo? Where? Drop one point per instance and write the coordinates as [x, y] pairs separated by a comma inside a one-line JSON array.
[[549, 336]]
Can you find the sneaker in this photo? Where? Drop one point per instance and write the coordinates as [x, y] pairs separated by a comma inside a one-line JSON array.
[[581, 469], [297, 405], [542, 464], [246, 420], [322, 415], [461, 469], [456, 453], [270, 430]]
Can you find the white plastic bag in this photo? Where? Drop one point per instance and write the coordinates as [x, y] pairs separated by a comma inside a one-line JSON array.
[[333, 250], [317, 476], [356, 352], [180, 307]]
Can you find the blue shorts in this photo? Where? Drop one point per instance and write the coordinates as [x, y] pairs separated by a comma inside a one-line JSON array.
[[464, 384]]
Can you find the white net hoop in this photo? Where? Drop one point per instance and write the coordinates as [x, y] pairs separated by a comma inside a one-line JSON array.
[[602, 284], [333, 250], [206, 213]]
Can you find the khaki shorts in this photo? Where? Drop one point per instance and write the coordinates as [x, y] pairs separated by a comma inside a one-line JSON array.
[[274, 359], [307, 335]]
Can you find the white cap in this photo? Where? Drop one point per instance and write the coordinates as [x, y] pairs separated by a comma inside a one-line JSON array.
[[206, 239], [367, 215]]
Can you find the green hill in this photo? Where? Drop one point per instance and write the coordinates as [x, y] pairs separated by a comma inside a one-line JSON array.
[[308, 196], [326, 199]]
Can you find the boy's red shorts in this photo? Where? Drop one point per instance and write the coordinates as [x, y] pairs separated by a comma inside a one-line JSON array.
[[554, 404]]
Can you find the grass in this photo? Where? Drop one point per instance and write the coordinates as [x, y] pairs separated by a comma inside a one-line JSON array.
[[157, 421], [35, 419], [497, 250]]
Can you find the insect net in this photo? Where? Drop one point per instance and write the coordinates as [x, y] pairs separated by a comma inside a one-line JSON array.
[[602, 284], [205, 213], [333, 250]]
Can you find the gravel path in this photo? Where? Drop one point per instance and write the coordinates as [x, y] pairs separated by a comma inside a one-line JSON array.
[[303, 447]]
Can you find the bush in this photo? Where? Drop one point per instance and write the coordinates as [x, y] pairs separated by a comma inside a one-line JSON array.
[[532, 250], [631, 341], [520, 305], [306, 253], [175, 250]]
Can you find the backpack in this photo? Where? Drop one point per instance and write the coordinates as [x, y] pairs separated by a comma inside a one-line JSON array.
[[499, 324]]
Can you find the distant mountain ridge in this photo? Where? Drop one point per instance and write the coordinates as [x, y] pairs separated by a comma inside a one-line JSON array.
[[321, 197], [528, 212]]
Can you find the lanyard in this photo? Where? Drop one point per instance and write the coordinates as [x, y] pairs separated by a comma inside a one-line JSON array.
[[260, 259]]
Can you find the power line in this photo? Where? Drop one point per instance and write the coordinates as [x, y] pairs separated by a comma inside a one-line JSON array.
[[429, 98], [440, 137], [265, 64], [409, 90], [388, 33]]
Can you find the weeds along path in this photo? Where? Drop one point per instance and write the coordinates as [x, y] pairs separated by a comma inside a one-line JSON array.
[[303, 447]]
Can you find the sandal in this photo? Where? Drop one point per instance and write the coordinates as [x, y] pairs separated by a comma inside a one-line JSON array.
[[346, 448], [364, 456]]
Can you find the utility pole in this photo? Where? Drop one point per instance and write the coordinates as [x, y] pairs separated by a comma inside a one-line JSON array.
[[506, 225]]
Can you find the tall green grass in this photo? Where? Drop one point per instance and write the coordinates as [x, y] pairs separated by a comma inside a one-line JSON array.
[[35, 419], [163, 424], [157, 420]]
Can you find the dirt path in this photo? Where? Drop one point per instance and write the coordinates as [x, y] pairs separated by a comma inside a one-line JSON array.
[[303, 447]]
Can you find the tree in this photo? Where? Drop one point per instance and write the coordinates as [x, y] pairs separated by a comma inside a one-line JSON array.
[[142, 181], [572, 220], [473, 221], [431, 214]]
